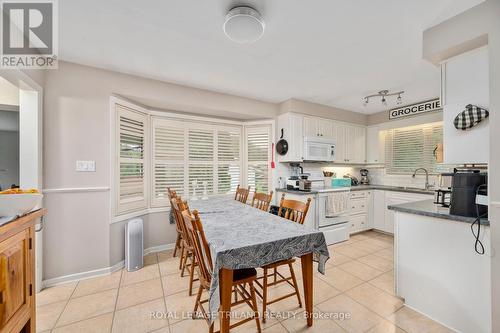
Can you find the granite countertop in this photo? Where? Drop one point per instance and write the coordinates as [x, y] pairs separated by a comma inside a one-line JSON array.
[[429, 208], [360, 188]]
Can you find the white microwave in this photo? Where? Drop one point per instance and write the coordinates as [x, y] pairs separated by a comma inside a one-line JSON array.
[[319, 149]]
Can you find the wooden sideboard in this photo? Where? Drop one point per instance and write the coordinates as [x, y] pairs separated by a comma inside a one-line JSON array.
[[17, 274]]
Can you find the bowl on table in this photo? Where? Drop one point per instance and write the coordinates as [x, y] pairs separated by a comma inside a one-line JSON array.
[[18, 204]]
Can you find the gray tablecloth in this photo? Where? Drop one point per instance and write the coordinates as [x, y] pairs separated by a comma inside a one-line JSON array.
[[241, 236]]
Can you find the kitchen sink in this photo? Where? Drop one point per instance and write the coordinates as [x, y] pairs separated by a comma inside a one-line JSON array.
[[414, 188]]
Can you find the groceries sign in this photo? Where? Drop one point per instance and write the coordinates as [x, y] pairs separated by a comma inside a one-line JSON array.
[[414, 109]]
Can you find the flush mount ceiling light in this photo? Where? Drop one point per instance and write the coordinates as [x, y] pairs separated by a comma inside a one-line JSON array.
[[384, 94], [244, 24]]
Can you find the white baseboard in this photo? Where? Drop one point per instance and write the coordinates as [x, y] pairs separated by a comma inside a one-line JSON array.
[[100, 272], [76, 277], [159, 248]]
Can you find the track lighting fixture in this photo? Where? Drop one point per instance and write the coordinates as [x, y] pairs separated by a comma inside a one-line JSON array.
[[384, 94]]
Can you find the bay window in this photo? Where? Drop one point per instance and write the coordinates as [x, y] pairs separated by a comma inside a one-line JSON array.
[[191, 155]]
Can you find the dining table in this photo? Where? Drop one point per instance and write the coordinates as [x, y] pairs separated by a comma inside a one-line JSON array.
[[241, 236]]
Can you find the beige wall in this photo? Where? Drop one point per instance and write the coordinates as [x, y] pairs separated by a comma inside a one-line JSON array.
[[457, 35], [319, 110], [9, 93], [37, 75]]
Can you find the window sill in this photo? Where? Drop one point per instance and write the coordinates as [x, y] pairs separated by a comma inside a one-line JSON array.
[[131, 215]]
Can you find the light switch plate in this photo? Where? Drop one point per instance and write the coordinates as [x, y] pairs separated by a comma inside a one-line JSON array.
[[85, 166]]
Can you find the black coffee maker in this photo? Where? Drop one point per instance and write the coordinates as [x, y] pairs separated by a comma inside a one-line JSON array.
[[464, 188]]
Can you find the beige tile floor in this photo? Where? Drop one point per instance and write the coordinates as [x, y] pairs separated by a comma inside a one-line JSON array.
[[355, 295]]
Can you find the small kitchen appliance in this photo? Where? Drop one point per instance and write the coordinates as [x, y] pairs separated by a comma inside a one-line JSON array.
[[304, 182], [354, 180], [318, 149], [464, 188], [442, 195], [365, 180], [293, 183]]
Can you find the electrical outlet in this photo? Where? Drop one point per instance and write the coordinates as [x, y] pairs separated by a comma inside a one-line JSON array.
[[85, 166]]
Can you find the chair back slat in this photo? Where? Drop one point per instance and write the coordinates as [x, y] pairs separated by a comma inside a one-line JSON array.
[[175, 211], [178, 206], [171, 193], [200, 244], [294, 210], [262, 200], [241, 194]]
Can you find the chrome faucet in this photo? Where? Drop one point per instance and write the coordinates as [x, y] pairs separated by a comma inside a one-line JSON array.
[[427, 185]]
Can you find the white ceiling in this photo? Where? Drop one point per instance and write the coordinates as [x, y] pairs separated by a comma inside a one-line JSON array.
[[331, 52]]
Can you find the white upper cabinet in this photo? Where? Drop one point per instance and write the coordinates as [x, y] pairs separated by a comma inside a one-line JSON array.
[[465, 80], [340, 152], [375, 145], [326, 128], [293, 133], [311, 126], [355, 144], [314, 126], [360, 144]]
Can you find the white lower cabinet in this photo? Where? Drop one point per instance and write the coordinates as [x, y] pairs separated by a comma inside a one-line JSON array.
[[360, 211], [397, 198], [379, 208]]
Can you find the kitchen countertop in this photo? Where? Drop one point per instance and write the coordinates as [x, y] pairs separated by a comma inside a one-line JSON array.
[[360, 188], [429, 208]]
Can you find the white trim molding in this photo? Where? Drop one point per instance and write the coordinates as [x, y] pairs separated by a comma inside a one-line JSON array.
[[102, 271], [76, 189], [128, 216]]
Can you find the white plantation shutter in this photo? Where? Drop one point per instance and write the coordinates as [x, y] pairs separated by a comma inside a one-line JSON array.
[[258, 151], [409, 148], [201, 154], [132, 171], [228, 159], [186, 151], [169, 144]]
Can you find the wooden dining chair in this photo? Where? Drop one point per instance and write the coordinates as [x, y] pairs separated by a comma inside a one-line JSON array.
[[295, 211], [262, 200], [172, 194], [241, 194], [187, 249], [241, 277]]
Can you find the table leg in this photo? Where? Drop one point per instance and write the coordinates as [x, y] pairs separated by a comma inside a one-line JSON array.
[[225, 287], [307, 280]]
